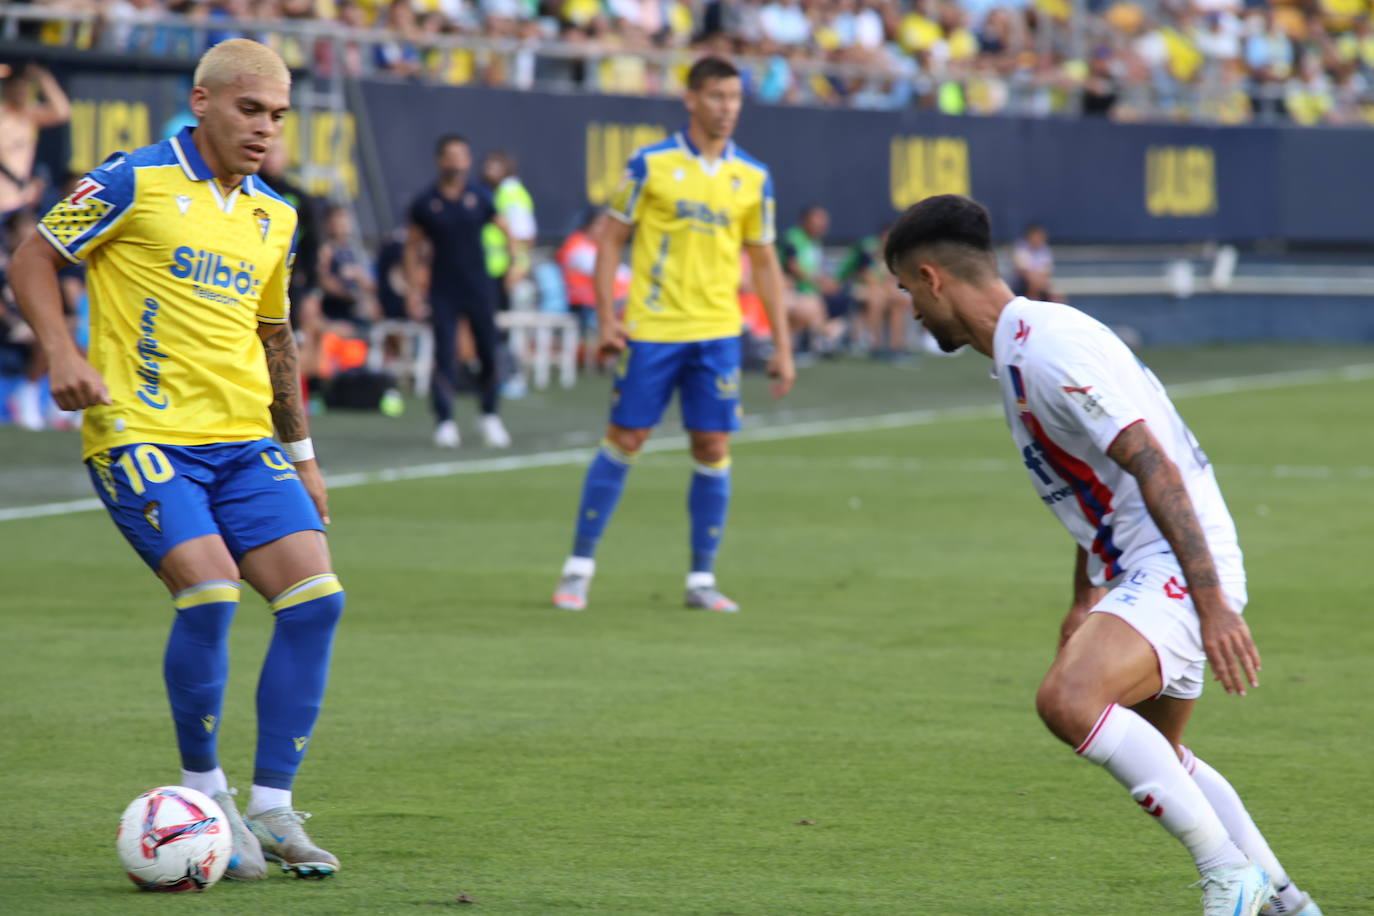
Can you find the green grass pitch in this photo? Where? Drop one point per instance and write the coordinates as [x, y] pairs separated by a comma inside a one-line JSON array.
[[860, 740]]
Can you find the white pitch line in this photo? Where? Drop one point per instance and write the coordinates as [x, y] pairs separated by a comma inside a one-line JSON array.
[[800, 430], [889, 463]]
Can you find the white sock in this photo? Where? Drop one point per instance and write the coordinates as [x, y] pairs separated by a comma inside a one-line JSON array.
[[1140, 758], [701, 580], [265, 798], [579, 566], [209, 782], [1228, 806]]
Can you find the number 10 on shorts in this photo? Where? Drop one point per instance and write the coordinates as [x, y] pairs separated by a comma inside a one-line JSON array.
[[145, 463]]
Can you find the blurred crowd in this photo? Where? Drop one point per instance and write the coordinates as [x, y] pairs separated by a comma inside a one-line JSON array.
[[1226, 61]]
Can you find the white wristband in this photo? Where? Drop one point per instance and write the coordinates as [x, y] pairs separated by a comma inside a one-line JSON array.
[[296, 452]]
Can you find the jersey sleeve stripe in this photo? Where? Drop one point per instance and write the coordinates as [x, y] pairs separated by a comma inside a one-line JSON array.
[[52, 240]]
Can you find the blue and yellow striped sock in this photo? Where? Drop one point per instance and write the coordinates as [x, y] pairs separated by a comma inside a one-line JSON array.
[[708, 501], [196, 668], [600, 492], [294, 674]]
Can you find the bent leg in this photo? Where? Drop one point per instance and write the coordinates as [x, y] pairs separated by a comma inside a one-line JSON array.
[[1107, 663]]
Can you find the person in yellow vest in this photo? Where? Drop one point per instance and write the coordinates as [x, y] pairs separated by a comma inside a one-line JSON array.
[[508, 248]]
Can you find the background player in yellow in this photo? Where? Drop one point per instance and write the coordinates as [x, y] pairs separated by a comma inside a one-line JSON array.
[[191, 363], [692, 202]]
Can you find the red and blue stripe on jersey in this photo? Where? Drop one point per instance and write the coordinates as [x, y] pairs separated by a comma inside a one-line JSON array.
[[1094, 497]]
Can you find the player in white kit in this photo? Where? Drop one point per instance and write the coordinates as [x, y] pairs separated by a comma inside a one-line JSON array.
[[1159, 584]]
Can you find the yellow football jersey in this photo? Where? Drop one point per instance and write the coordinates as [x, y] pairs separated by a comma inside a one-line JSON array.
[[180, 274], [691, 216]]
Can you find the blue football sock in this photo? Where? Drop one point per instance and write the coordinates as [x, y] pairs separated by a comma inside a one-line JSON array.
[[291, 688], [708, 500], [600, 492], [196, 668]]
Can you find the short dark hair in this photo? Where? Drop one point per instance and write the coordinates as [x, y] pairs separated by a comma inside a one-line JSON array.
[[710, 68], [442, 143], [504, 157], [957, 226]]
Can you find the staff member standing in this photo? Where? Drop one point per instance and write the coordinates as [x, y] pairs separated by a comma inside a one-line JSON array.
[[446, 223]]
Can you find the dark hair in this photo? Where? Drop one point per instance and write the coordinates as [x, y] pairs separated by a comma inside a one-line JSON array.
[[958, 226], [709, 68], [442, 143], [504, 157]]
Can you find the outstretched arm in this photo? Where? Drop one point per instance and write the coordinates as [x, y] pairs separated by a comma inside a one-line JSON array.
[[288, 412], [1225, 636]]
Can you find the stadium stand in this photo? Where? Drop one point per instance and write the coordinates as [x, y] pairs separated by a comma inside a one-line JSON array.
[[1215, 61]]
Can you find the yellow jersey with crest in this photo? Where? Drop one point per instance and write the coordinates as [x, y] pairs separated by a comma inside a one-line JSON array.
[[691, 216], [180, 274]]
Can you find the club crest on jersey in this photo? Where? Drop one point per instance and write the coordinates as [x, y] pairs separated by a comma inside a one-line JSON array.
[[264, 221], [184, 203], [152, 514], [736, 183], [1175, 589]]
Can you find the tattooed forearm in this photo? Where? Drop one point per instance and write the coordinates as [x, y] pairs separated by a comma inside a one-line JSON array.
[[279, 346], [1167, 499]]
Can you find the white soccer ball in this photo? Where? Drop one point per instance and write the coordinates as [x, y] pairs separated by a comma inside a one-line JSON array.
[[174, 839]]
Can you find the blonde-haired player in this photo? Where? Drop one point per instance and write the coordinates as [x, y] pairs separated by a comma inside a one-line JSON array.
[[191, 364]]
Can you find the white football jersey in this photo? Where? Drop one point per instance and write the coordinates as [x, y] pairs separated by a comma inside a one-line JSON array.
[[1070, 386]]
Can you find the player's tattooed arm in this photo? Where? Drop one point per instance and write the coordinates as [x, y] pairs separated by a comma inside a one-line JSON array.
[[283, 368], [1225, 636], [1161, 485]]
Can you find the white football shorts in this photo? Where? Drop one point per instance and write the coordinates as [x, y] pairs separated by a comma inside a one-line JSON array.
[[1153, 598]]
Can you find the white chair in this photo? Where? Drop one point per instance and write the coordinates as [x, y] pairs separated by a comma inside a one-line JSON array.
[[414, 357], [533, 336]]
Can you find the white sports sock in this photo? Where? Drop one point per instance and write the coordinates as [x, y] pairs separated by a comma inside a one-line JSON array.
[[1140, 758], [579, 566], [1228, 806], [701, 580], [209, 782], [265, 798]]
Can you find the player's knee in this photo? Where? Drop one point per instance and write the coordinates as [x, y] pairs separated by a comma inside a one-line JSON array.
[[712, 451], [1061, 707], [629, 441], [314, 602]]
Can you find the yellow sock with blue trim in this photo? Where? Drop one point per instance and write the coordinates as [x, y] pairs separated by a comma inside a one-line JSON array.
[[291, 688], [708, 501], [196, 668]]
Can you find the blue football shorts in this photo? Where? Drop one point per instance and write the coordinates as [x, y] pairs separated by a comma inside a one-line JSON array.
[[163, 495], [706, 373]]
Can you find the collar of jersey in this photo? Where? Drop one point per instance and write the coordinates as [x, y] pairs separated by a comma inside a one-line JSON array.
[[687, 144], [193, 164]]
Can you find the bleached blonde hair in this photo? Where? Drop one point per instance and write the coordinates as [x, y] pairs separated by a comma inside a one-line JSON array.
[[236, 57]]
